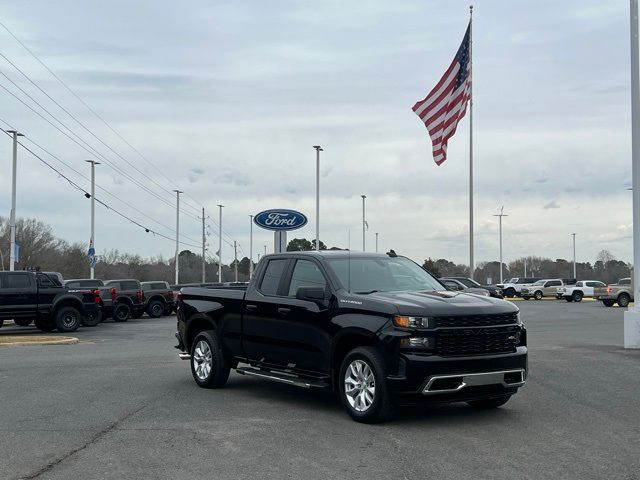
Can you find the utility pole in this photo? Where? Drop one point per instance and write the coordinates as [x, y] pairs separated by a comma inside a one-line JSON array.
[[250, 246], [525, 266], [204, 248], [500, 215], [318, 150], [235, 256], [364, 222], [376, 242], [574, 256], [12, 220], [220, 244], [632, 315], [178, 192], [92, 239]]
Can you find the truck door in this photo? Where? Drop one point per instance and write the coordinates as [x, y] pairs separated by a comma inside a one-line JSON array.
[[19, 295], [262, 326], [47, 291]]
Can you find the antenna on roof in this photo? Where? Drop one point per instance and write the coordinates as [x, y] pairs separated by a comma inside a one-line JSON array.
[[392, 253]]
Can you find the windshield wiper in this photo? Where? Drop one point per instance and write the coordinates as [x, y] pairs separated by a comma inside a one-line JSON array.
[[367, 292]]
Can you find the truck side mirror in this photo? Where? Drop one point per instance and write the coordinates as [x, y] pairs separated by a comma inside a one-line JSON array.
[[311, 294]]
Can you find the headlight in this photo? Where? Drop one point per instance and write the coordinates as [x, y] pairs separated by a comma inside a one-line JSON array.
[[412, 322]]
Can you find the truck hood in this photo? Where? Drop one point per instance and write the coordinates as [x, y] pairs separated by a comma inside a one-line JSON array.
[[442, 303]]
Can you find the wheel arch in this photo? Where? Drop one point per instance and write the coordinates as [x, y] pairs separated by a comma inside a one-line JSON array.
[[346, 340], [67, 302], [196, 324]]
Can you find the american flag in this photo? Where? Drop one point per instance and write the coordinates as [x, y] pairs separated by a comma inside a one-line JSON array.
[[446, 103]]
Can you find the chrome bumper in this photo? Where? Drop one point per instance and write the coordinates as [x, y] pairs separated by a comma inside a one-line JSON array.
[[455, 383]]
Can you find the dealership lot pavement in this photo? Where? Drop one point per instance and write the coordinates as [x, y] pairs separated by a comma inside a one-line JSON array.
[[120, 404]]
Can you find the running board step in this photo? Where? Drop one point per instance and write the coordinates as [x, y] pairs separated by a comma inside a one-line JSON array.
[[282, 377]]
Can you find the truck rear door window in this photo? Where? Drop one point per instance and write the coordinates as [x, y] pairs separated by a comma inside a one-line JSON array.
[[272, 276], [306, 274], [17, 280]]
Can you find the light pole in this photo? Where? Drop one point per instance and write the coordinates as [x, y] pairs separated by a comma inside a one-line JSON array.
[[364, 222], [500, 215], [204, 248], [318, 150], [178, 192], [376, 242], [574, 256], [12, 219], [250, 246], [632, 315], [220, 244], [92, 239]]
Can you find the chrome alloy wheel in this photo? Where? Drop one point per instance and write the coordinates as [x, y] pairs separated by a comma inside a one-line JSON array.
[[202, 360], [359, 385]]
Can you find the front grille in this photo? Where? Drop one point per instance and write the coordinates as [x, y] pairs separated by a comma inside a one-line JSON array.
[[477, 341], [476, 320]]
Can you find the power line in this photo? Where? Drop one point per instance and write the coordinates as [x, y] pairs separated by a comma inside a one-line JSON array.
[[107, 206], [41, 62]]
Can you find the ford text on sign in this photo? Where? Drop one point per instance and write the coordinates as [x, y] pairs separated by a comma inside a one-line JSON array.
[[280, 219]]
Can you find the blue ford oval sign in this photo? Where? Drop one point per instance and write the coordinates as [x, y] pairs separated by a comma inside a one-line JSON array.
[[280, 219]]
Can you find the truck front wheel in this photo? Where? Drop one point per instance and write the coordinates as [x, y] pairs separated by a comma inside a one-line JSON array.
[[538, 295], [209, 367], [92, 319], [363, 387], [121, 312], [155, 309], [490, 402]]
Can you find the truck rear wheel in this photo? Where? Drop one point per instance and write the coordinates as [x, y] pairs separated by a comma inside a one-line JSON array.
[[155, 309], [121, 312], [92, 319], [45, 324], [577, 296], [209, 367], [489, 403], [68, 319], [363, 387], [623, 300]]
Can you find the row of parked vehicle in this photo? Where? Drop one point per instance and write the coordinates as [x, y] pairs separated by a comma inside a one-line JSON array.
[[620, 293], [53, 303]]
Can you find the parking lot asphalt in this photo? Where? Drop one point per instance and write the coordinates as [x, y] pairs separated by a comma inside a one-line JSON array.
[[120, 404]]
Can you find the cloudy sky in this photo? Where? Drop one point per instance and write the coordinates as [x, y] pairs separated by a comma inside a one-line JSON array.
[[225, 100]]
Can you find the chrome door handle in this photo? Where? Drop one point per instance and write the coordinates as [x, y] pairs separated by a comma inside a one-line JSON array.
[[251, 308], [284, 311]]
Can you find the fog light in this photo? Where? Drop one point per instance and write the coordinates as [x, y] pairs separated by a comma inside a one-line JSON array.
[[417, 342]]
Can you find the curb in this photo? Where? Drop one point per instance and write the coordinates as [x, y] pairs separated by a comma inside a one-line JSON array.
[[34, 340]]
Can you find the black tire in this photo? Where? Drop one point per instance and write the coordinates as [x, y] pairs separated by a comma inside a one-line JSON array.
[[510, 292], [608, 303], [23, 322], [67, 319], [381, 408], [92, 319], [577, 296], [623, 300], [45, 324], [137, 314], [121, 312], [538, 295], [155, 309], [209, 367], [489, 403], [526, 297]]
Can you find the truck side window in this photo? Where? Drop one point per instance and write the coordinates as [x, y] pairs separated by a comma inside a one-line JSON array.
[[272, 276], [17, 280], [306, 274], [45, 281]]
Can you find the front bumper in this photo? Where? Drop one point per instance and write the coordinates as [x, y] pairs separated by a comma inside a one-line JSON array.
[[418, 369]]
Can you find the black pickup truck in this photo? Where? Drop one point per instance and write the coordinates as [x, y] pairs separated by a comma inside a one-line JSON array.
[[376, 328], [37, 297]]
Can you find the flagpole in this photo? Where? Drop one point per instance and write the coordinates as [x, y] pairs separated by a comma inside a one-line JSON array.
[[471, 262]]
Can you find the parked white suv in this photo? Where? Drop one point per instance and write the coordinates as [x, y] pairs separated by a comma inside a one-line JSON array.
[[513, 286], [542, 288], [583, 288]]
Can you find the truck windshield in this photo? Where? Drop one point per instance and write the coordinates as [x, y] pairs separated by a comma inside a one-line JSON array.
[[393, 274]]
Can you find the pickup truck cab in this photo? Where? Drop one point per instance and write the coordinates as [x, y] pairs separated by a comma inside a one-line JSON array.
[[542, 288], [581, 289], [620, 293], [377, 329], [28, 296], [159, 298]]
